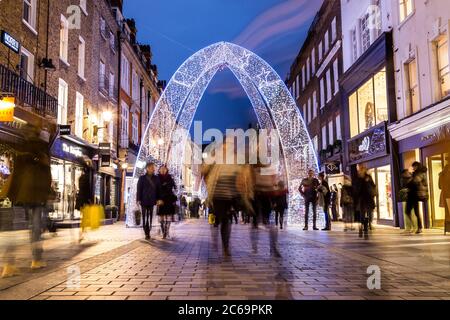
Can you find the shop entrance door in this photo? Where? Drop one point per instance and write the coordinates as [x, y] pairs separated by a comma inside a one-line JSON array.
[[436, 164]]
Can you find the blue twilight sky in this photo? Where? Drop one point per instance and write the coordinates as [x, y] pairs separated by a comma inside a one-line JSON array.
[[176, 29]]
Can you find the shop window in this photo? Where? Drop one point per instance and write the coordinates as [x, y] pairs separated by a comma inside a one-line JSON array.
[[413, 87], [443, 65], [406, 8], [368, 105], [437, 203], [383, 179]]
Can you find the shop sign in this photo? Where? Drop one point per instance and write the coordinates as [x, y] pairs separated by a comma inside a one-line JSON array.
[[10, 42], [440, 134], [370, 145], [75, 151], [7, 105], [104, 148], [105, 160], [332, 168], [64, 130]]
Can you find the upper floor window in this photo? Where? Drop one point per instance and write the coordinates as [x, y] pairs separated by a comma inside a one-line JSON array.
[[308, 70], [103, 27], [354, 41], [303, 77], [320, 48], [406, 8], [125, 73], [327, 42], [83, 5], [63, 94], [29, 13], [64, 39], [26, 65], [135, 86], [365, 32], [313, 62], [81, 57], [333, 30], [413, 87], [443, 65]]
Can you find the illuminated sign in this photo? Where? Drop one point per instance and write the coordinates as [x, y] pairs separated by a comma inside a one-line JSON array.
[[333, 168], [76, 151], [369, 145], [7, 105], [64, 130], [10, 42]]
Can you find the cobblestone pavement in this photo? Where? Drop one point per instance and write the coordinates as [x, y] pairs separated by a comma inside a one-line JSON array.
[[265, 264]]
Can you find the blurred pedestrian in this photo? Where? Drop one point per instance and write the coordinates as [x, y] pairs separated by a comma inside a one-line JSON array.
[[347, 203], [264, 187], [148, 196], [444, 186], [31, 186], [280, 203], [334, 202], [405, 180], [167, 210], [85, 195], [308, 189], [417, 192], [324, 195], [364, 192]]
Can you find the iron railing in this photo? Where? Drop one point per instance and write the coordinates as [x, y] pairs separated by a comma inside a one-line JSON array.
[[27, 94]]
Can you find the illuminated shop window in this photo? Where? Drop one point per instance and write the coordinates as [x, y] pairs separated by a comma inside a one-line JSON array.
[[368, 105]]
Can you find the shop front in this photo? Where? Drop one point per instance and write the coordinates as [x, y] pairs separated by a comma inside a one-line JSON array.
[[369, 105], [68, 157], [432, 149]]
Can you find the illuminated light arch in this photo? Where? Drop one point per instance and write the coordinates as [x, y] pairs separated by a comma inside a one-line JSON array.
[[273, 104]]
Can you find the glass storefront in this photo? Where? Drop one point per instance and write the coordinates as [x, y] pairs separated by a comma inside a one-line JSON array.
[[436, 164], [382, 177], [369, 105], [65, 176]]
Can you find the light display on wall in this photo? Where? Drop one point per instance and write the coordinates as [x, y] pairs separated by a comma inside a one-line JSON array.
[[273, 104]]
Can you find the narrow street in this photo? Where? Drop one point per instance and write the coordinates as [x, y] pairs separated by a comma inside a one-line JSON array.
[[115, 263]]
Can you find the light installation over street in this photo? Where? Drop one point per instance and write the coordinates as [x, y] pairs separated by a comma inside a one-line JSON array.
[[273, 104]]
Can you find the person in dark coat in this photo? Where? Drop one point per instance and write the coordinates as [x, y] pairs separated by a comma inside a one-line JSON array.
[[417, 192], [280, 203], [364, 193], [85, 195], [308, 189], [444, 186], [325, 195], [334, 202], [168, 197], [347, 203], [148, 196], [31, 186]]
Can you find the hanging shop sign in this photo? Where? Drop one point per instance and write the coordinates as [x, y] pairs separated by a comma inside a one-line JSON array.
[[104, 148], [105, 160], [64, 130], [332, 168], [10, 41], [369, 145], [67, 150], [7, 106]]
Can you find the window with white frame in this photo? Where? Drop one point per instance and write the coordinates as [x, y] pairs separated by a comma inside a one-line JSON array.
[[324, 138], [406, 9], [135, 129], [79, 115], [297, 87], [354, 42], [336, 76], [304, 113], [316, 143], [365, 32], [330, 133], [326, 41], [29, 13], [103, 27], [63, 94], [322, 93], [308, 70], [102, 76], [329, 94], [135, 85], [64, 39], [443, 64], [303, 77], [112, 79], [320, 49], [413, 87], [124, 125], [81, 57], [309, 111], [313, 62], [338, 128], [112, 41], [315, 104], [26, 65], [333, 30], [125, 74]]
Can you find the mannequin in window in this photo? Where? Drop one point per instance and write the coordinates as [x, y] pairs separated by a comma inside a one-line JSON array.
[[369, 114]]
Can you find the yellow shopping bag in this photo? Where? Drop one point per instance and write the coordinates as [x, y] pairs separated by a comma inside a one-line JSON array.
[[211, 219], [92, 216]]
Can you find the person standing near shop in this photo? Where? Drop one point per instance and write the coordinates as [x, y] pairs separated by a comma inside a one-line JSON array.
[[85, 195], [324, 200], [31, 186], [444, 186], [346, 203], [417, 192], [148, 196], [364, 192], [168, 197], [308, 190]]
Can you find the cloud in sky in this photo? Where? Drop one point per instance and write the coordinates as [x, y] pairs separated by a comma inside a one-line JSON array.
[[277, 21]]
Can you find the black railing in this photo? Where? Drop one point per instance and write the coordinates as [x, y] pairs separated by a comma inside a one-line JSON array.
[[27, 94]]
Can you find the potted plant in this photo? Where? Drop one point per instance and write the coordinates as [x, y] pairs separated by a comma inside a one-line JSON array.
[[337, 146]]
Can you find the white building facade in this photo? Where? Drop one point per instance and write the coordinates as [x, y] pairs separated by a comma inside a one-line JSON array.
[[422, 75]]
